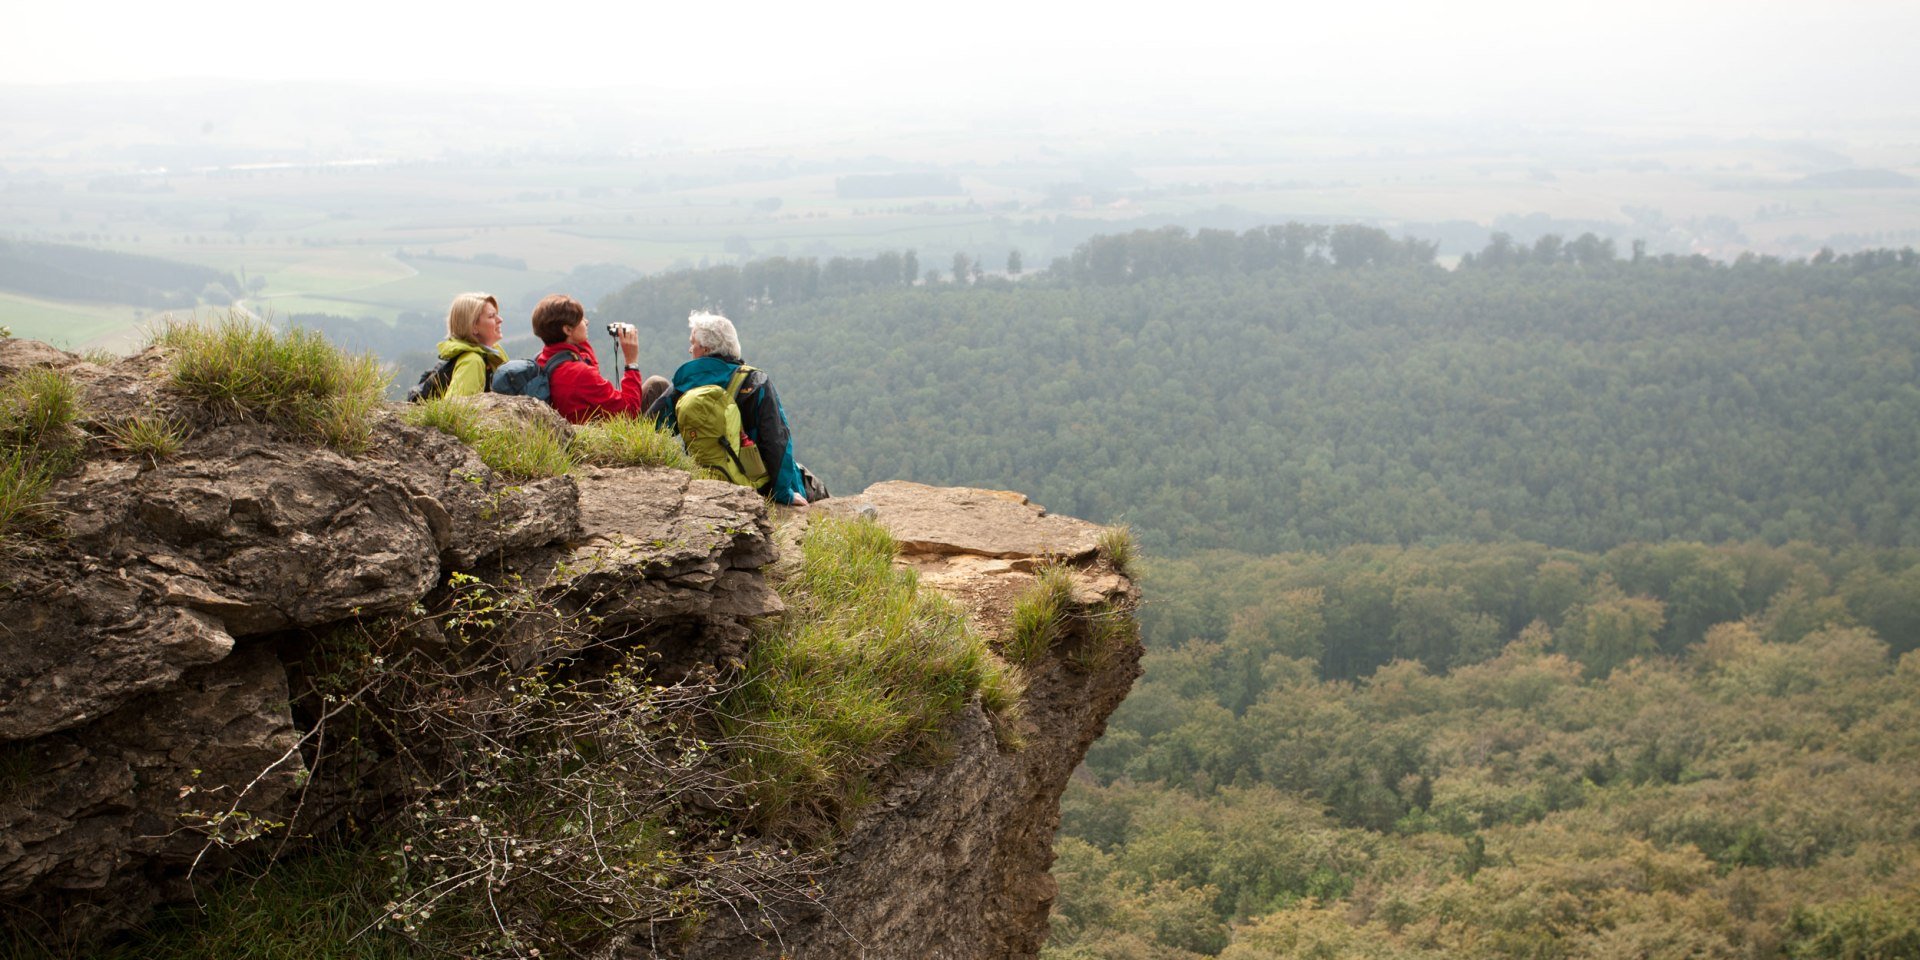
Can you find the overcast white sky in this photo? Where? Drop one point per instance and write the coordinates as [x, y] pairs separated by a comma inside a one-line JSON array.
[[1738, 60]]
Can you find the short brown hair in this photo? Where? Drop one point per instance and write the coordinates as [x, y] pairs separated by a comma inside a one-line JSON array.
[[554, 315]]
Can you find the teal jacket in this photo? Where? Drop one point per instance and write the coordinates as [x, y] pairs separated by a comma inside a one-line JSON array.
[[761, 416]]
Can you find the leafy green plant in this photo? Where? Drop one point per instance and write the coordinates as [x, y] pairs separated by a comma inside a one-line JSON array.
[[1040, 615], [630, 442], [297, 380], [38, 442], [864, 670]]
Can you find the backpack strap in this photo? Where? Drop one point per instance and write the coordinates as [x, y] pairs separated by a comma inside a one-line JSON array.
[[739, 379], [733, 396], [553, 363]]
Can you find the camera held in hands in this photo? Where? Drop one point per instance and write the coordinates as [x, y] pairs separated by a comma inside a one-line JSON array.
[[616, 329]]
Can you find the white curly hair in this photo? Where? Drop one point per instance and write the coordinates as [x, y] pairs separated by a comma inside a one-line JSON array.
[[715, 333]]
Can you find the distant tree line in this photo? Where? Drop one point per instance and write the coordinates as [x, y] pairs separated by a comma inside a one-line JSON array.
[[1309, 406], [738, 291], [68, 272]]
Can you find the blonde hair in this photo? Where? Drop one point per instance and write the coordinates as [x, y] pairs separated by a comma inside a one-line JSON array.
[[465, 312]]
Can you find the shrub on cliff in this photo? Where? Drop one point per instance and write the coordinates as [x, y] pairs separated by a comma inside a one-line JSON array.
[[297, 379]]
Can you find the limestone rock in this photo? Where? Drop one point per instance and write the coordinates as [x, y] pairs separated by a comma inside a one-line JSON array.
[[662, 552], [959, 520], [78, 807]]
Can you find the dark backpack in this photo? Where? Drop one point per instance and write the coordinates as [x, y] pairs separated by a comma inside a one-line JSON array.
[[434, 382], [524, 378]]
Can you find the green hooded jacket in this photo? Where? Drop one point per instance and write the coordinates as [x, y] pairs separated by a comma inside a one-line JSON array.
[[474, 370]]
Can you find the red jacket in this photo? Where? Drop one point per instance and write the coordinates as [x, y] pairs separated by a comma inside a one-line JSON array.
[[581, 394]]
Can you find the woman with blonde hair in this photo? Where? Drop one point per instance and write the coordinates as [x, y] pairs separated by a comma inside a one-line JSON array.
[[472, 344]]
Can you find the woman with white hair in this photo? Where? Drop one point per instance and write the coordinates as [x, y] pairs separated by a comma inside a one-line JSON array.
[[472, 344], [715, 347]]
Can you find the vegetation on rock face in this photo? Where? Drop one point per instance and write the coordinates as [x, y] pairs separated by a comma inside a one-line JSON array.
[[1039, 615], [38, 442], [865, 667], [297, 379], [153, 435], [630, 442], [576, 797], [524, 449]]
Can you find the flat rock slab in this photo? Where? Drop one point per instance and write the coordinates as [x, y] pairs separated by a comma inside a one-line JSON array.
[[955, 520]]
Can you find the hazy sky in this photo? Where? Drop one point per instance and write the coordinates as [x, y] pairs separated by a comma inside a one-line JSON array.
[[1731, 61]]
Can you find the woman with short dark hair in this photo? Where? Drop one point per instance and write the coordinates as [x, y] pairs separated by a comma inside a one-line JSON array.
[[578, 390]]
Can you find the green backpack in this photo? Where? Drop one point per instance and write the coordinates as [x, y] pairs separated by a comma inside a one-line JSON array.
[[709, 419]]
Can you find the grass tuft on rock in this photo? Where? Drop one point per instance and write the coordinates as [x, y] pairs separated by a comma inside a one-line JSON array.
[[865, 668], [38, 442], [1116, 544], [513, 447], [155, 436], [1040, 615], [630, 442], [297, 380]]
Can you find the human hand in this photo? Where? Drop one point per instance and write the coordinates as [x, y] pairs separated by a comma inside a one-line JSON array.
[[630, 344], [797, 501]]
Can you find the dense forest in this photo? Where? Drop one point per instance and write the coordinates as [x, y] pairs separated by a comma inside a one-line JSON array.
[[1563, 790], [1307, 388], [1560, 605]]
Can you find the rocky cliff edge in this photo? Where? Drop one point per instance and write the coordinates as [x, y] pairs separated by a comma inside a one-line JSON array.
[[146, 652]]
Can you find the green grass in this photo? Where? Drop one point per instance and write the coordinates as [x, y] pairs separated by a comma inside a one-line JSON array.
[[628, 442], [525, 450], [864, 670], [520, 449], [155, 436], [1110, 629], [1040, 615], [305, 908], [297, 380], [38, 443], [449, 415], [1116, 544]]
